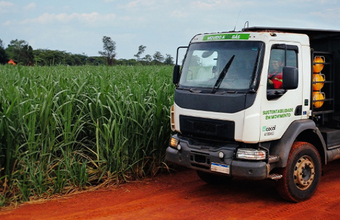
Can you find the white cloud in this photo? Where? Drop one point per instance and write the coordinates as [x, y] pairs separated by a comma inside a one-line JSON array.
[[314, 2], [332, 14], [87, 18], [6, 6], [137, 3], [7, 23], [133, 4], [30, 6], [146, 5], [220, 4], [179, 13], [205, 5]]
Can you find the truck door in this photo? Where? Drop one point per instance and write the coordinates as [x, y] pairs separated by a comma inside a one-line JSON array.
[[280, 107]]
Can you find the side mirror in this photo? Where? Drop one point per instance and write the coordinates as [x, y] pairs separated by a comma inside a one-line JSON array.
[[290, 77], [176, 76]]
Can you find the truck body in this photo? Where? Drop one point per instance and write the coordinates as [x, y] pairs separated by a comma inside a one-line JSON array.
[[259, 103]]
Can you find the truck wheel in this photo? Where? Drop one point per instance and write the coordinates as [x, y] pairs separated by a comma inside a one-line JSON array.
[[213, 178], [301, 176]]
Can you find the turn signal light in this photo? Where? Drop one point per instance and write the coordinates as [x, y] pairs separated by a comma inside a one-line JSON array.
[[172, 118], [173, 142]]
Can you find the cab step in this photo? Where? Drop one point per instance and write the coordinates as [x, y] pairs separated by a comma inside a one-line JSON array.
[[275, 176], [273, 158]]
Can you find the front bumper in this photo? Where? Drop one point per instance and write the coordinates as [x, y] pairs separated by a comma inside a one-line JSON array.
[[204, 158]]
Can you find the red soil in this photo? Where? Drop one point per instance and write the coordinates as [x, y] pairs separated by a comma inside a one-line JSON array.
[[182, 195]]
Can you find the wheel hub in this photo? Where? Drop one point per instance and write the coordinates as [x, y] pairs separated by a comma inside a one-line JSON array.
[[304, 172]]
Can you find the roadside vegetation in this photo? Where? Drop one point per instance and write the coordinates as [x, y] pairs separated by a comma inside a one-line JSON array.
[[20, 52], [67, 128]]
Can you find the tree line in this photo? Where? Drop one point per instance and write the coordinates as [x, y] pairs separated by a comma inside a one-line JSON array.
[[22, 53]]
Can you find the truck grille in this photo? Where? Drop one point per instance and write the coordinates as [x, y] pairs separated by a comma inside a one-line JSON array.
[[207, 128]]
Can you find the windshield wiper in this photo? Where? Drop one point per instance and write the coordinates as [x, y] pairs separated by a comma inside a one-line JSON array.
[[222, 75]]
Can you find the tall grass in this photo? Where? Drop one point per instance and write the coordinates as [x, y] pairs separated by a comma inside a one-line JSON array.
[[65, 128]]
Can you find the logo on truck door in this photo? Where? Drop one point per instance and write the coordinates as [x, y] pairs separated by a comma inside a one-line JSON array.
[[268, 130]]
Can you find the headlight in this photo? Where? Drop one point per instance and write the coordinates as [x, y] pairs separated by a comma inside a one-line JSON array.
[[250, 154], [174, 142]]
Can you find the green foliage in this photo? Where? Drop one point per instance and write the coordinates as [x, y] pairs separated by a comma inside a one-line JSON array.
[[109, 50], [55, 57], [21, 52], [169, 60], [147, 58], [141, 50], [3, 56], [65, 127], [158, 57]]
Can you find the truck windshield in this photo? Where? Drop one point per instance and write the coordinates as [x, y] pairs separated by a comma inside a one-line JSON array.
[[205, 62]]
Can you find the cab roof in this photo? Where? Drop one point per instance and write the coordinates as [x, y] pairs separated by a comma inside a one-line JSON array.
[[314, 34]]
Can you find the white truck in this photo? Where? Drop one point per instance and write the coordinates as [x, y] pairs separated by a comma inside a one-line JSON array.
[[259, 103]]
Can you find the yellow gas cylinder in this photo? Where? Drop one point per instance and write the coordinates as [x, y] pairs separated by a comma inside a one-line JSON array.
[[316, 97], [319, 78], [318, 66]]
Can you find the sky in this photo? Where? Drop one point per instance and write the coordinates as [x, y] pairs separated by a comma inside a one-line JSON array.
[[78, 26]]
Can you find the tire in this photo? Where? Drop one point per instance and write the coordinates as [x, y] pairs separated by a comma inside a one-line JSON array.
[[301, 176], [214, 179]]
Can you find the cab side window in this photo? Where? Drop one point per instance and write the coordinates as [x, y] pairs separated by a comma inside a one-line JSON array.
[[281, 55], [276, 64]]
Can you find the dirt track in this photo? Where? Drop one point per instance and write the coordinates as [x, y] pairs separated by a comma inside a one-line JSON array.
[[183, 195]]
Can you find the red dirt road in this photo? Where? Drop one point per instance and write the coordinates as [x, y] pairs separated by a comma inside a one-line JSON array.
[[183, 195]]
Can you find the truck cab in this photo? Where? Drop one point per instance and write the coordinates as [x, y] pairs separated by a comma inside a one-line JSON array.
[[259, 103]]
